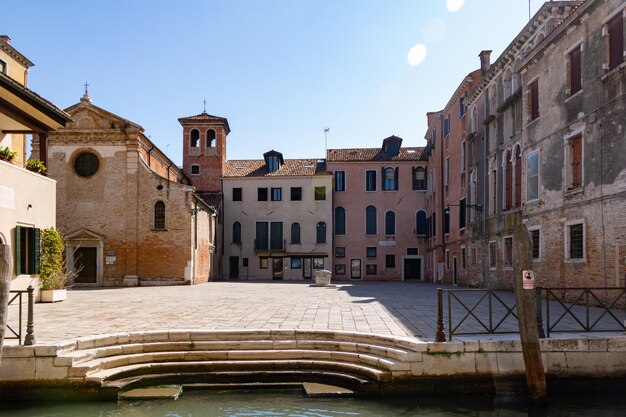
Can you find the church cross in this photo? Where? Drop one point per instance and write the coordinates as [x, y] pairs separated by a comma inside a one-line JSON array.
[[204, 101]]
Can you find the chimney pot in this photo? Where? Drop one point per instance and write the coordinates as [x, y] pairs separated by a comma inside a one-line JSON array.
[[6, 38], [485, 62]]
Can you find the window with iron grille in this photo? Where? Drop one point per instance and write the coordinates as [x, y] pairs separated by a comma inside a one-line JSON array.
[[576, 241], [86, 164], [508, 252], [159, 215], [535, 236]]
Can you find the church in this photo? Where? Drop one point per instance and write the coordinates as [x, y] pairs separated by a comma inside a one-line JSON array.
[[129, 214]]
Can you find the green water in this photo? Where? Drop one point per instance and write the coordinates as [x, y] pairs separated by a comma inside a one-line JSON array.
[[294, 404]]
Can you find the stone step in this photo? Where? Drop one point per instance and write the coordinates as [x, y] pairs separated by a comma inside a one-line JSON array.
[[95, 365], [256, 366]]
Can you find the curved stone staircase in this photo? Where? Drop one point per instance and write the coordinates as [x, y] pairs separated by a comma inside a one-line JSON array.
[[358, 361]]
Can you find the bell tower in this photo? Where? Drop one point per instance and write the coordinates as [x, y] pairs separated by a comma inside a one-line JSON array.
[[204, 150]]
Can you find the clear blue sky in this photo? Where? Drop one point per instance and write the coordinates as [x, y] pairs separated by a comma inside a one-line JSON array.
[[279, 70]]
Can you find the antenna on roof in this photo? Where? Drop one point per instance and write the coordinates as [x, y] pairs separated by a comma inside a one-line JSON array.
[[326, 129], [528, 9]]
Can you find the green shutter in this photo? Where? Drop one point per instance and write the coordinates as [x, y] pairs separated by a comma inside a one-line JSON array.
[[18, 250], [30, 252], [397, 178], [37, 251]]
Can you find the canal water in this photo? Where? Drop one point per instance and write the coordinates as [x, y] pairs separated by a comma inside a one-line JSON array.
[[294, 404]]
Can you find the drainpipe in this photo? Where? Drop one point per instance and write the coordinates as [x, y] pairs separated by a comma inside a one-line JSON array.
[[150, 156]]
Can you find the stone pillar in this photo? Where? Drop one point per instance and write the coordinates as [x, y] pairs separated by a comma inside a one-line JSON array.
[[5, 287]]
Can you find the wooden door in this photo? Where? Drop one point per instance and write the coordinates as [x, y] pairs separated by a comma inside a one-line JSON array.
[[86, 263]]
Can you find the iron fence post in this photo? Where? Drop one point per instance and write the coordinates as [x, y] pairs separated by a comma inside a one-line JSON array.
[[30, 336], [542, 333], [441, 335]]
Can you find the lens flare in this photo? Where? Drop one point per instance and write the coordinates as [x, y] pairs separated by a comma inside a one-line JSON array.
[[417, 54]]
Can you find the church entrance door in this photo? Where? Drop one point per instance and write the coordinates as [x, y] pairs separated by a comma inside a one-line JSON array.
[[85, 262]]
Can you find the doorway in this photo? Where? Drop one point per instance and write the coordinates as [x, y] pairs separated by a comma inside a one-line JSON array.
[[412, 268], [307, 268], [355, 269], [85, 262], [277, 268], [233, 267]]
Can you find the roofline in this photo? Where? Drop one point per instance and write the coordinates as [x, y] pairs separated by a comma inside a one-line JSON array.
[[15, 54], [132, 124]]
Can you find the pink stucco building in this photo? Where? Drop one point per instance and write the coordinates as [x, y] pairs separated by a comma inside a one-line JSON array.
[[379, 215]]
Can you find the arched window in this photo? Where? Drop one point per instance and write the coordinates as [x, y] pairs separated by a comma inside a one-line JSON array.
[[321, 232], [295, 233], [421, 227], [210, 138], [390, 223], [507, 83], [340, 221], [508, 191], [370, 220], [194, 138], [493, 95], [419, 178], [518, 177], [237, 233], [390, 182], [159, 215]]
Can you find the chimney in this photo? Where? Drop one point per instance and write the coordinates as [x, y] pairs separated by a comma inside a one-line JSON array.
[[6, 38], [485, 62]]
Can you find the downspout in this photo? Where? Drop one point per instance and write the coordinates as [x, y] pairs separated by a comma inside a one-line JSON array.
[[150, 156], [194, 211], [441, 197], [485, 187]]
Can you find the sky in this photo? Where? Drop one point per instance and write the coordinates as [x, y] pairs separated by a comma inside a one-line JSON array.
[[280, 71]]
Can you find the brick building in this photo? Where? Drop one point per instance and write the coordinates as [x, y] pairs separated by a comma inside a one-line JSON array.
[[574, 93], [128, 213], [379, 207], [448, 211], [495, 145], [277, 218]]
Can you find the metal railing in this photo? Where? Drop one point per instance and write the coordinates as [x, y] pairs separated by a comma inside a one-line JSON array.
[[590, 309], [566, 310], [17, 333]]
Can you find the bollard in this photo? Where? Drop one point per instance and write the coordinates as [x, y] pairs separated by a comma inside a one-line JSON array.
[[441, 335], [30, 337]]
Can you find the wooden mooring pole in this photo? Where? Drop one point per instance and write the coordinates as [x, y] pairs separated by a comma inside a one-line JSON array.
[[527, 315], [5, 287]]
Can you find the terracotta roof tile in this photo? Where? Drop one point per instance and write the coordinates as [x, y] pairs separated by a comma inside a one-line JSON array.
[[373, 154], [258, 168], [213, 200]]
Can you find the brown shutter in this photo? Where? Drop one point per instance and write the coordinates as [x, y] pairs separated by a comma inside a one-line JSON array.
[[576, 144], [616, 41], [534, 100], [575, 71]]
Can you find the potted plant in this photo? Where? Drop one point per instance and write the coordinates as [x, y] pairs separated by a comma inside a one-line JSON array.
[[6, 154], [35, 165], [53, 279]]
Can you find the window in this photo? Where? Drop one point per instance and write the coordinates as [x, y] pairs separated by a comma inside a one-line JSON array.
[[535, 235], [318, 263], [295, 233], [370, 180], [320, 232], [533, 100], [159, 215], [272, 163], [277, 193], [462, 108], [296, 263], [263, 263], [371, 251], [518, 177], [508, 182], [340, 252], [262, 236], [575, 241], [446, 173], [276, 236], [494, 187], [421, 226], [463, 262], [195, 169], [244, 262], [340, 221], [237, 233], [615, 30], [492, 255], [390, 223], [340, 269], [27, 250], [370, 220], [412, 251], [370, 269], [532, 176], [210, 138], [390, 261], [390, 179], [463, 147], [574, 70], [508, 252], [237, 194], [296, 193], [86, 164], [433, 224], [3, 67], [194, 138], [446, 220], [446, 126], [419, 178], [262, 194], [320, 193], [340, 181], [462, 213], [574, 162]]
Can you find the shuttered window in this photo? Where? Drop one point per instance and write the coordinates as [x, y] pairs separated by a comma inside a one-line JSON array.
[[27, 250], [534, 100], [616, 41], [575, 71], [576, 154]]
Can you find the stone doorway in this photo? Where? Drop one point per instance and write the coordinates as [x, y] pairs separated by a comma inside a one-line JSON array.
[[86, 263]]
